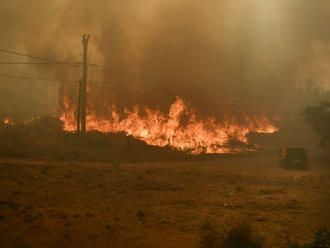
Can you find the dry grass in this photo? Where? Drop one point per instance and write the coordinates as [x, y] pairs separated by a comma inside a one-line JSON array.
[[157, 204]]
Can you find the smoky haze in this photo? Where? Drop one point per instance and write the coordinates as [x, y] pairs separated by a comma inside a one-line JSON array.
[[209, 52]]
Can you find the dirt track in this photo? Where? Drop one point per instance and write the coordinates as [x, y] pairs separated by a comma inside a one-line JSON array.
[[158, 204]]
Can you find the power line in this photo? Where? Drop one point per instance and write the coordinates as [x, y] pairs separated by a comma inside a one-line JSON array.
[[45, 79], [27, 55], [41, 58], [38, 63], [36, 78]]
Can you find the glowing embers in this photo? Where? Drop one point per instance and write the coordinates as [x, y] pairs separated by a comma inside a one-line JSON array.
[[180, 128]]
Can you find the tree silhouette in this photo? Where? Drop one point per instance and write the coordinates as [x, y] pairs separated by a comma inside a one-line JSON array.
[[318, 117]]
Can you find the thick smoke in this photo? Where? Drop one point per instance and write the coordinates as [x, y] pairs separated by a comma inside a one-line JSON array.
[[209, 52]]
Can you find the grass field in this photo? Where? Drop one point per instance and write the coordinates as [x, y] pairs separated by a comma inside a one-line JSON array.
[[158, 204]]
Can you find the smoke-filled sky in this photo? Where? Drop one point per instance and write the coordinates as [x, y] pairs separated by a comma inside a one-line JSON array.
[[208, 52]]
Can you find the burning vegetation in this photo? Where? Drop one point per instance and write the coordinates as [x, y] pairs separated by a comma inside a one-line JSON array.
[[135, 134], [182, 127]]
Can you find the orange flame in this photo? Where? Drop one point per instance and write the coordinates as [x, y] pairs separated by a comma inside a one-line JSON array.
[[6, 121], [180, 128]]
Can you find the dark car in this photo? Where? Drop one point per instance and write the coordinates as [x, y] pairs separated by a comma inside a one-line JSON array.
[[293, 158]]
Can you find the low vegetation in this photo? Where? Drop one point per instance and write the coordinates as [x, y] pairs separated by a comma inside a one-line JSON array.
[[239, 236], [242, 235], [321, 240], [44, 138], [318, 117]]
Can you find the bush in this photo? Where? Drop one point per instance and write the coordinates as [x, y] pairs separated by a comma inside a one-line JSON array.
[[238, 237], [210, 236], [321, 240], [241, 236]]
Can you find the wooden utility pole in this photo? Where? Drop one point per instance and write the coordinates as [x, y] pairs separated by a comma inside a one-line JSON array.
[[85, 40], [79, 108]]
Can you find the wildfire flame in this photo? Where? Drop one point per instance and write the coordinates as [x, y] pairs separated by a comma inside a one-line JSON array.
[[6, 121], [180, 128]]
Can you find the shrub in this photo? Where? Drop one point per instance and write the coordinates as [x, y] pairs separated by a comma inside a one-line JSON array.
[[321, 240], [241, 236], [210, 236], [238, 237]]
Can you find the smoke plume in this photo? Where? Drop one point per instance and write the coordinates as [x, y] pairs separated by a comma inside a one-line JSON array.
[[212, 53]]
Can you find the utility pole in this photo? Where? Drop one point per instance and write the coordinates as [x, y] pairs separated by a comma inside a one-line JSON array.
[[79, 108], [85, 40]]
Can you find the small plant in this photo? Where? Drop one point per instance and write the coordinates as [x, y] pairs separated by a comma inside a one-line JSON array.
[[140, 214], [321, 240], [210, 236], [239, 189], [240, 236]]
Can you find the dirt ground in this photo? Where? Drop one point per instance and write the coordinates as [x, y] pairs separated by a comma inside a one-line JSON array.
[[158, 204]]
